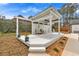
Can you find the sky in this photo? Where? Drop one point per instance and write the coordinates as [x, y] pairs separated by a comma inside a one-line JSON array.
[[26, 9]]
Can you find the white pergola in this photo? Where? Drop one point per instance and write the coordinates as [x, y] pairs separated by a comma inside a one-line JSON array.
[[43, 22], [17, 25]]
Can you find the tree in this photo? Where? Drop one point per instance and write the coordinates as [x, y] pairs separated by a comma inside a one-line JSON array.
[[30, 17], [20, 16], [67, 11]]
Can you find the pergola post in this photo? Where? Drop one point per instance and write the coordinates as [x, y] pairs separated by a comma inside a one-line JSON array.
[[32, 28], [38, 28], [50, 21], [50, 25], [59, 25], [43, 26], [17, 27]]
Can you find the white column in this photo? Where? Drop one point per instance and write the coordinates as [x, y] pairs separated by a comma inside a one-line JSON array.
[[43, 28], [50, 20], [38, 30], [32, 28], [59, 25], [17, 27], [50, 25]]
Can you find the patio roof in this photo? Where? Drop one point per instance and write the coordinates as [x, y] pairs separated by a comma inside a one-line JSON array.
[[45, 12]]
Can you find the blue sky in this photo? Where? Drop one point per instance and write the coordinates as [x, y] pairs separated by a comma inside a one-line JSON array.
[[26, 9]]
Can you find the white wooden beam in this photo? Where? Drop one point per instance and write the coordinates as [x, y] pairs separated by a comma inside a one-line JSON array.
[[21, 18]]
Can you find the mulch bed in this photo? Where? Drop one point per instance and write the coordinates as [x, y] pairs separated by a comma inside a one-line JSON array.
[[57, 48], [10, 46]]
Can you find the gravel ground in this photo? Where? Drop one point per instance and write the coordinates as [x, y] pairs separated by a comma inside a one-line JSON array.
[[10, 46]]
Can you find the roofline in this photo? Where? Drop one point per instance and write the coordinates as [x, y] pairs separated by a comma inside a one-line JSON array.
[[44, 10]]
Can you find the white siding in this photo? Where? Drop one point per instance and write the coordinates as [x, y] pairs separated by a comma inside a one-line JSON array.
[[75, 28]]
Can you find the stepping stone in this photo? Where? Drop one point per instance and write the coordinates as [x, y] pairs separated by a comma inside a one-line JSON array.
[[38, 54], [37, 49]]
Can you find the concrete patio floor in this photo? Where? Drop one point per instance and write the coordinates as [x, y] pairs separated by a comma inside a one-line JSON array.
[[44, 41], [72, 46]]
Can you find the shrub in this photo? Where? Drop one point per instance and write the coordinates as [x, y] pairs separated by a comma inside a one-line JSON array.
[[55, 49], [7, 26]]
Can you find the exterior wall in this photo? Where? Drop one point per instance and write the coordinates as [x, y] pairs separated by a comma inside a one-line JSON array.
[[37, 29], [46, 28], [73, 21], [70, 27], [75, 28], [74, 25]]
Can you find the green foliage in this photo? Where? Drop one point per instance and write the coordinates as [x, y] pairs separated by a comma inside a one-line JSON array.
[[7, 26], [56, 50], [20, 16], [68, 9]]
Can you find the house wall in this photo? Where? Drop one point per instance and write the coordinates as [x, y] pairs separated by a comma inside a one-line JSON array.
[[75, 28], [73, 21], [41, 27], [35, 28], [46, 28], [72, 26]]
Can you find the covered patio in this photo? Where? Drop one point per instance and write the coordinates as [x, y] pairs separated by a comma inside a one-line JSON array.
[[46, 21]]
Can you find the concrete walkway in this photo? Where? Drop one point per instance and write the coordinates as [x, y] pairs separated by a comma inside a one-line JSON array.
[[38, 54], [72, 46]]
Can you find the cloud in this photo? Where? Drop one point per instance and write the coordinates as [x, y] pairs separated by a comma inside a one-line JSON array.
[[77, 11], [24, 11], [9, 17], [31, 9], [4, 3]]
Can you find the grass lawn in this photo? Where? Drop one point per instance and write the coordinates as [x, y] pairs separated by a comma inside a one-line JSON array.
[[0, 33], [10, 46]]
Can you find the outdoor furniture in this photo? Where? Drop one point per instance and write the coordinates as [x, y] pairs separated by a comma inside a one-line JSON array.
[[26, 39]]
